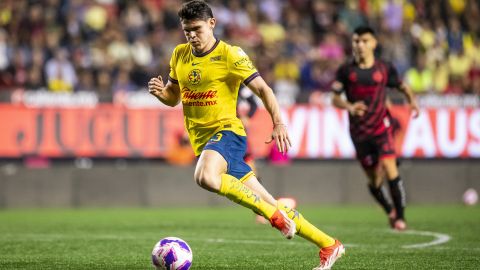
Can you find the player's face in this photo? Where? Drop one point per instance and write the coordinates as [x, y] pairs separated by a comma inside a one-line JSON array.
[[199, 33], [363, 45]]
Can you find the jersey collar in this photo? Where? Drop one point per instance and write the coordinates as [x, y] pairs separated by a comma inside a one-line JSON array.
[[207, 52]]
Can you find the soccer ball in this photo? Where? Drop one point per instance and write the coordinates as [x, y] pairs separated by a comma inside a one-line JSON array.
[[172, 253], [470, 197]]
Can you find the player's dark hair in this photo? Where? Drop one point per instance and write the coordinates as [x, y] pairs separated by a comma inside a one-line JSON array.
[[361, 30], [195, 10]]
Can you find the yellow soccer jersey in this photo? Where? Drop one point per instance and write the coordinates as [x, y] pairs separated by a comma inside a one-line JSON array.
[[209, 84]]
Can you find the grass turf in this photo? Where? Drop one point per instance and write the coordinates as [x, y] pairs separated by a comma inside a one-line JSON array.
[[228, 238]]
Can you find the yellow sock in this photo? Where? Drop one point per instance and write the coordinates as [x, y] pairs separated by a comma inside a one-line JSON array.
[[237, 192], [306, 230]]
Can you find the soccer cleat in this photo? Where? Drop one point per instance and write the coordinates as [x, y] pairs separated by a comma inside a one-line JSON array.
[[283, 223], [392, 216], [400, 225], [329, 255]]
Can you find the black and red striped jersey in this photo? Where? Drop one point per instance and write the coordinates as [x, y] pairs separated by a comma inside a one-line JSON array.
[[370, 86]]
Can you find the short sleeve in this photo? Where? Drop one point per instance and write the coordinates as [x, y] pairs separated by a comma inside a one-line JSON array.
[[338, 86], [393, 80], [240, 65], [172, 75]]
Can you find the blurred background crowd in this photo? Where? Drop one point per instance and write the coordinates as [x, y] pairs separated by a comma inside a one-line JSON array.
[[113, 46]]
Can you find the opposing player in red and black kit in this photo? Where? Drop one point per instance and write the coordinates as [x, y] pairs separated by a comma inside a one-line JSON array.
[[364, 81]]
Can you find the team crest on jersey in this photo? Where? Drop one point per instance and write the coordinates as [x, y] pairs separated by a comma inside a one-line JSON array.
[[195, 76], [377, 76], [352, 76]]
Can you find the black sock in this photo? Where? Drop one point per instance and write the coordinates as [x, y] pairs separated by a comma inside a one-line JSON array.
[[398, 196], [377, 193]]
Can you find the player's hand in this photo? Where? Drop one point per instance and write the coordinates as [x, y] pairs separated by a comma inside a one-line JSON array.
[[282, 140], [414, 109], [156, 86], [357, 109]]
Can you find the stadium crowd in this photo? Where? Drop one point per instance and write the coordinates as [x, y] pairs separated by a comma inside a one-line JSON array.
[[111, 46]]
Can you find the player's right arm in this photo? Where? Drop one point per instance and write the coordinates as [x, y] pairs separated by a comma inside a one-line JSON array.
[[356, 109], [168, 94]]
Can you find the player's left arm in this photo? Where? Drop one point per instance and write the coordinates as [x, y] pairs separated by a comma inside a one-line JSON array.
[[395, 82], [407, 91], [279, 134]]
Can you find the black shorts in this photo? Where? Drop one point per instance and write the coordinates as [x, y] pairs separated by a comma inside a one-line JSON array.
[[370, 151]]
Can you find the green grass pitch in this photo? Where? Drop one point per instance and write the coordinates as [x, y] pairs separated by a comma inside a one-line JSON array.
[[228, 238]]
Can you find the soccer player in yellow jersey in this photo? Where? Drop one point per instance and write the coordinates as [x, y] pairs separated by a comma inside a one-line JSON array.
[[205, 75]]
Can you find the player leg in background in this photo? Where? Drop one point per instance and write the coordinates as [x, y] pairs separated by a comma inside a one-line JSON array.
[[367, 155], [389, 164], [395, 128], [376, 176], [397, 191]]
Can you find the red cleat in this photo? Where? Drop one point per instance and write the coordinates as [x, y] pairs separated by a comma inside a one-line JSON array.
[[400, 225], [283, 223], [329, 255]]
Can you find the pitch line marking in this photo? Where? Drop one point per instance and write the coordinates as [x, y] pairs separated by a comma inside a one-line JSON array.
[[440, 238]]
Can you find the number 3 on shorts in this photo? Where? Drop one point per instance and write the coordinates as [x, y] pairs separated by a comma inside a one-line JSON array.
[[217, 137]]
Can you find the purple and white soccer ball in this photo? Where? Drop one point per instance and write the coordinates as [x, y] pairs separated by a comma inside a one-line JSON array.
[[172, 253], [470, 197]]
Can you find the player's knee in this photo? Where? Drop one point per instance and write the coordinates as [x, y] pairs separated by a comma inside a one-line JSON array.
[[201, 178], [206, 180], [390, 167]]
